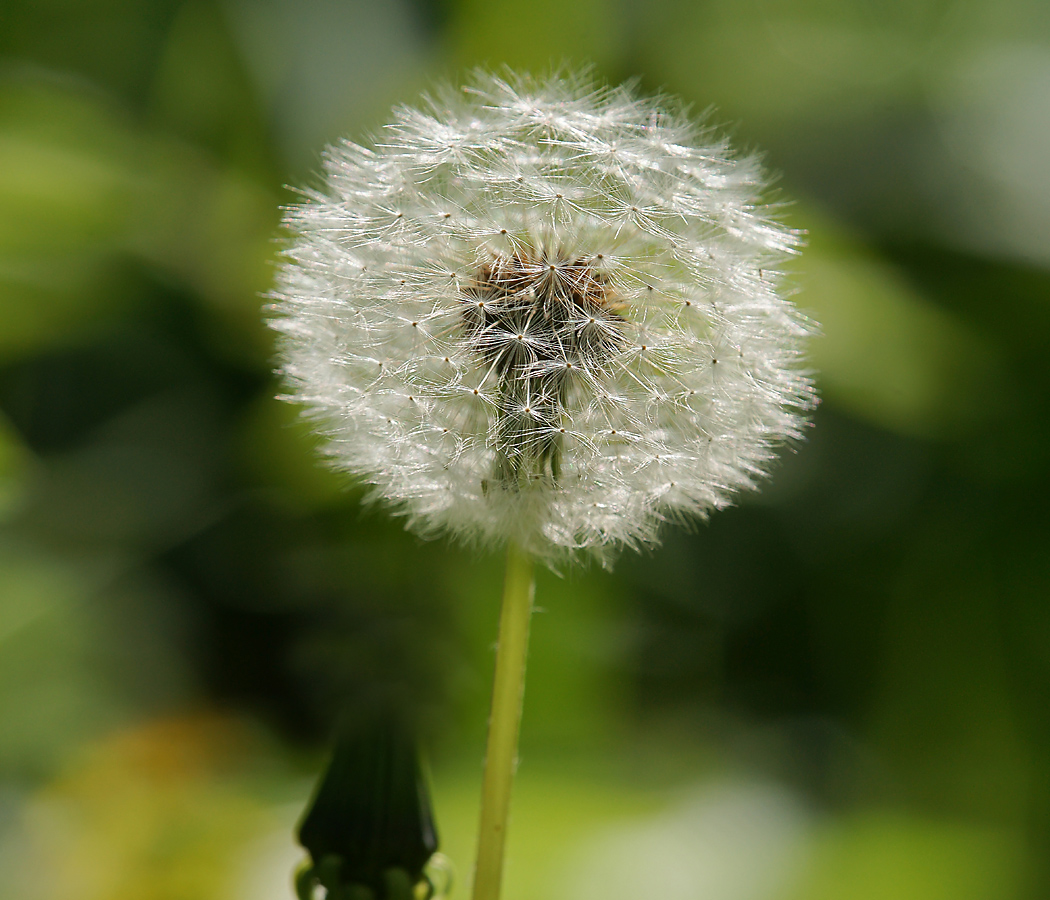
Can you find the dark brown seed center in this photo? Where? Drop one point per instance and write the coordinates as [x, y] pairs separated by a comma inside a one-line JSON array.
[[542, 324]]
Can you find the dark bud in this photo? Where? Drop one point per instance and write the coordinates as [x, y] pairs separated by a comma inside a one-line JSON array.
[[369, 830]]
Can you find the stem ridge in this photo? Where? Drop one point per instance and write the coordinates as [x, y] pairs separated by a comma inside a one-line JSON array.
[[504, 722]]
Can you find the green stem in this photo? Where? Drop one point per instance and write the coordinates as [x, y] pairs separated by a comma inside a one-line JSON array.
[[504, 721]]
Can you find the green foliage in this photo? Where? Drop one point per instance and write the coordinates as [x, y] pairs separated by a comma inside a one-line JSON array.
[[871, 632]]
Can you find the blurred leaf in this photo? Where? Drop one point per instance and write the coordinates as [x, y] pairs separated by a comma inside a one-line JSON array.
[[879, 856], [15, 460], [33, 585], [944, 713], [81, 189], [84, 647], [886, 354], [770, 62], [324, 69], [67, 178], [151, 813], [55, 197], [112, 43], [46, 302], [989, 187], [278, 447], [776, 64], [142, 479], [545, 33], [51, 696], [213, 228], [202, 91]]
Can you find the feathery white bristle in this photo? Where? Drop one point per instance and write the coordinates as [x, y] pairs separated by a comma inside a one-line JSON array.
[[542, 311]]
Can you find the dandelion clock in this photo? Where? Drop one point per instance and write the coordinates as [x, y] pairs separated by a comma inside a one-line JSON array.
[[546, 315]]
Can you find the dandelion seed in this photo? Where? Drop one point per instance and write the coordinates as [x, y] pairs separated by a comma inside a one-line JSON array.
[[587, 327]]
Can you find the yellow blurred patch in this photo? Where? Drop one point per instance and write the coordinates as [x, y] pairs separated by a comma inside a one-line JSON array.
[[151, 813]]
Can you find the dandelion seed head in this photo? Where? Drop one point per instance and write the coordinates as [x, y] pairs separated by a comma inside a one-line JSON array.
[[544, 311]]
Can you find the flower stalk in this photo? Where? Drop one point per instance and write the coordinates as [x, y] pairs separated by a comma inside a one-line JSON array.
[[504, 722], [545, 313]]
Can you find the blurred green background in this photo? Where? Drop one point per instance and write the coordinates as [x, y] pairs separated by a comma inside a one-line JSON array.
[[839, 689]]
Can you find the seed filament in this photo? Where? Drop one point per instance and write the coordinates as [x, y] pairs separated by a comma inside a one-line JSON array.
[[539, 321]]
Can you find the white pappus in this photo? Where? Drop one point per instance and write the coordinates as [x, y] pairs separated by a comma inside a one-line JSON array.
[[544, 311]]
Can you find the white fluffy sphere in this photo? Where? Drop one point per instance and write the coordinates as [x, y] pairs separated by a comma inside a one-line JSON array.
[[543, 311]]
